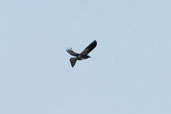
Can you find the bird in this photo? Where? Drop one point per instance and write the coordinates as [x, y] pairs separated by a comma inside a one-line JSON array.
[[82, 55]]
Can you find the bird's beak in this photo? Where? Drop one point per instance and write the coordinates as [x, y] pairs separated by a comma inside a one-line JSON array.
[[90, 57]]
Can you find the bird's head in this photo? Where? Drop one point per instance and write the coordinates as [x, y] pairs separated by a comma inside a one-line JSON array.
[[88, 56]]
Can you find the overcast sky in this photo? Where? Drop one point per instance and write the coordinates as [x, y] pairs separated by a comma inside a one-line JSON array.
[[129, 72]]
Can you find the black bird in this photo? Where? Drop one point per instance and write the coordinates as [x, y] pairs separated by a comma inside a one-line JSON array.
[[83, 54]]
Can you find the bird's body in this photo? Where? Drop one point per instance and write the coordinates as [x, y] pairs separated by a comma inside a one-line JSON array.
[[83, 54], [81, 57]]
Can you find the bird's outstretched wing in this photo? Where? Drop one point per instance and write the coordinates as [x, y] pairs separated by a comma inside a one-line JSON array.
[[70, 51], [89, 48], [73, 61]]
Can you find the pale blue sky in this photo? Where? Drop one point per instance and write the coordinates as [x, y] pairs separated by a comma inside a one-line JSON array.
[[129, 72]]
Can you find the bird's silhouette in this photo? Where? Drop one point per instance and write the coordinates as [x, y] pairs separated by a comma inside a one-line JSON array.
[[83, 54]]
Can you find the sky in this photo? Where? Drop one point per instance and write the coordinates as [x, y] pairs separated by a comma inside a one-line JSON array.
[[129, 72]]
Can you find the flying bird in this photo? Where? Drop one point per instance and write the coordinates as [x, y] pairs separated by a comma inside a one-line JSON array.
[[83, 54]]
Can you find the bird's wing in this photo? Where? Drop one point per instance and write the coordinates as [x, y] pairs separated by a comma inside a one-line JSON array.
[[89, 48], [70, 51], [73, 61]]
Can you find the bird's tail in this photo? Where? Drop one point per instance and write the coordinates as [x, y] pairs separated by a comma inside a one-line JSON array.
[[73, 61]]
